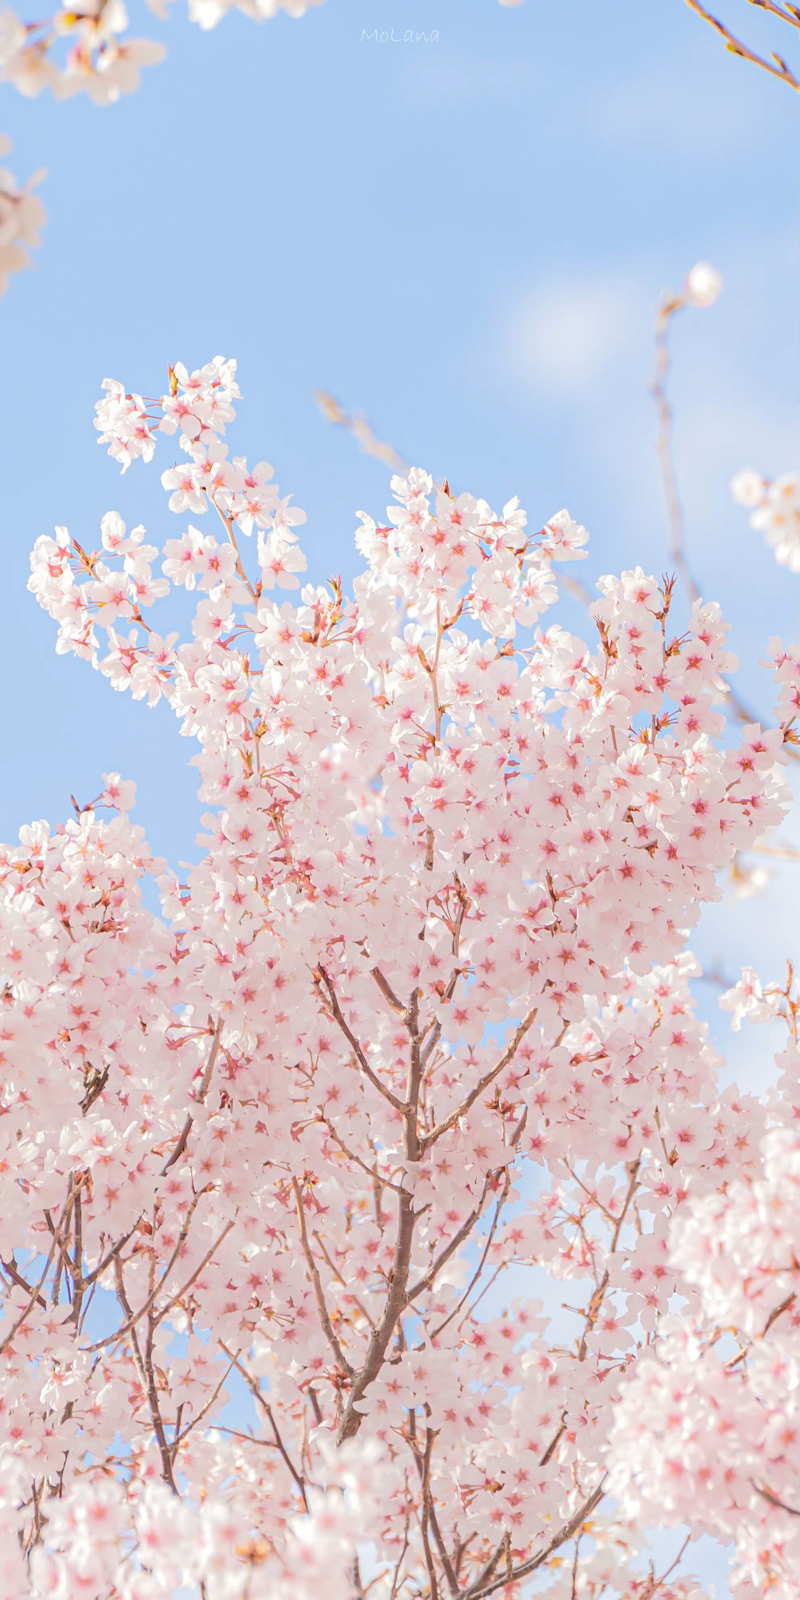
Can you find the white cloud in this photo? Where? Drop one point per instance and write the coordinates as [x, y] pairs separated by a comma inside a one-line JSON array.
[[567, 332], [441, 82]]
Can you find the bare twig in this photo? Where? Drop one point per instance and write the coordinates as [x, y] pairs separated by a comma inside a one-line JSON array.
[[360, 430], [426, 1514], [595, 1304], [413, 1148], [481, 1264], [10, 1268], [34, 1296], [669, 307], [780, 69]]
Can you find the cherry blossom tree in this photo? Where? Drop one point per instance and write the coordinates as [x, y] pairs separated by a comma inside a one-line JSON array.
[[302, 1149]]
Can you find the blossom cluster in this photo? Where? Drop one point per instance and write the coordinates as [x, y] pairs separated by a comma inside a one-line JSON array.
[[776, 511], [411, 1038], [21, 217], [708, 1430], [98, 60]]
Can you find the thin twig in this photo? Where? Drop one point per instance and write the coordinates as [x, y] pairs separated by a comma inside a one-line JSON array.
[[477, 1590], [324, 1317], [766, 1494], [147, 1378], [737, 48], [360, 430], [267, 1409], [483, 1084], [112, 1338], [481, 1264], [201, 1095], [669, 307], [336, 1010]]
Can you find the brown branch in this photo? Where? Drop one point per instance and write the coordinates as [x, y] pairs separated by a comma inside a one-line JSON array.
[[371, 1172], [481, 1264], [398, 1287], [773, 1317], [34, 1294], [182, 1237], [97, 1272], [426, 1513], [766, 1494], [195, 1275], [478, 1589], [737, 48], [778, 1312], [203, 1091], [449, 1249], [599, 1294], [401, 1557], [489, 1077], [656, 1583], [337, 1274], [388, 992], [10, 1268], [180, 1436], [361, 431], [396, 1299], [554, 1441], [336, 1011], [147, 1378], [787, 13], [267, 1409], [322, 1309]]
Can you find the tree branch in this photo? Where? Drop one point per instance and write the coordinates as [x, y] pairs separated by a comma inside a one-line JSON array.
[[781, 70], [327, 1326], [489, 1077], [336, 1011], [201, 1095], [477, 1590]]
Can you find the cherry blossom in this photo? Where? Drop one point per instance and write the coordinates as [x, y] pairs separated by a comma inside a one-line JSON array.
[[21, 216], [776, 511], [703, 285], [290, 1166]]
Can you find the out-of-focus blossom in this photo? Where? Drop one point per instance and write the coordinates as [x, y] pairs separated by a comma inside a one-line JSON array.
[[776, 511], [703, 285], [21, 216]]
